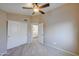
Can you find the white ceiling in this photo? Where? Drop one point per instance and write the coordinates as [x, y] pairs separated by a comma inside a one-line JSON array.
[[17, 8]]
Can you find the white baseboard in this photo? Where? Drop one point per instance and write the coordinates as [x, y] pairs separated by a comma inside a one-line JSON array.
[[62, 50], [1, 54]]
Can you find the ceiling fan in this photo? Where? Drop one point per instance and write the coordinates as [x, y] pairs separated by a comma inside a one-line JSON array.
[[37, 8]]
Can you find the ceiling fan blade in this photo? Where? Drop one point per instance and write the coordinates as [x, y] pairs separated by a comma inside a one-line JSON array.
[[27, 7], [45, 5], [33, 13], [41, 12], [36, 4]]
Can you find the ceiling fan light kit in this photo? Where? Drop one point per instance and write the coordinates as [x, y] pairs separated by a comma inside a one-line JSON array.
[[36, 9]]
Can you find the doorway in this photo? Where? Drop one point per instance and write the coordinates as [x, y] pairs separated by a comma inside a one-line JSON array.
[[34, 32], [38, 33]]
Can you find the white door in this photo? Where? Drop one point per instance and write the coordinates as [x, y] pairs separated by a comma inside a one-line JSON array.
[[17, 33], [40, 33]]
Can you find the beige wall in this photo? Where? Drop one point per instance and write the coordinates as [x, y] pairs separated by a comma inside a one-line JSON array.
[[61, 27], [17, 17]]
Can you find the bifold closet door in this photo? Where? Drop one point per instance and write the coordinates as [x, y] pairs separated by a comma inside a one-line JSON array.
[[17, 33]]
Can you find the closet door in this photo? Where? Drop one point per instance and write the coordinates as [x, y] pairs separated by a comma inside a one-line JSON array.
[[17, 34]]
